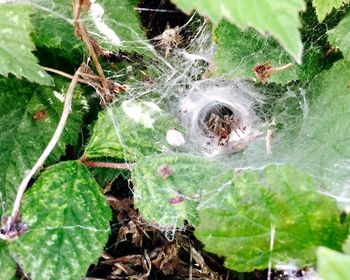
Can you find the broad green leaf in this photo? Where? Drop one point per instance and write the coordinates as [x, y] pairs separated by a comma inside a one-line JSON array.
[[16, 46], [57, 34], [324, 7], [240, 220], [29, 115], [332, 265], [238, 52], [68, 220], [175, 184], [278, 18], [130, 131], [105, 175], [339, 37], [7, 263]]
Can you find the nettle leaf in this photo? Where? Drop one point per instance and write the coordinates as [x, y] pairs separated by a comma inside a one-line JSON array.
[[7, 264], [29, 115], [278, 18], [53, 31], [332, 265], [324, 7], [130, 131], [118, 25], [237, 221], [238, 52], [339, 37], [68, 220], [16, 46], [174, 184]]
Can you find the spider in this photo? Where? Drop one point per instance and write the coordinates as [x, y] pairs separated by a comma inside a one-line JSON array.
[[169, 39], [223, 126]]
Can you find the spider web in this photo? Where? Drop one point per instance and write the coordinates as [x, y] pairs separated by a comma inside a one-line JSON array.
[[276, 118], [178, 83]]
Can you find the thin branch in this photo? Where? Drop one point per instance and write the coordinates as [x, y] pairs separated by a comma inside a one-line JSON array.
[[64, 74], [281, 68], [112, 165], [50, 146], [80, 29]]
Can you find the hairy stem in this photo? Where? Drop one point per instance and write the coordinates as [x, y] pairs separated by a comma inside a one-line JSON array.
[[112, 165], [50, 146]]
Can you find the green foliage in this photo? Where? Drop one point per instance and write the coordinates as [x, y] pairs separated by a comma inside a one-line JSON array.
[[339, 37], [324, 7], [237, 52], [7, 263], [332, 265], [278, 18], [174, 184], [130, 131], [29, 115], [55, 33], [68, 220], [251, 217], [16, 46], [237, 221]]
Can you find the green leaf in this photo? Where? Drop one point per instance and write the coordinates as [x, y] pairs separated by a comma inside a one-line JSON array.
[[16, 46], [56, 33], [7, 263], [68, 220], [238, 221], [107, 175], [174, 184], [238, 52], [332, 265], [324, 7], [29, 115], [130, 131], [278, 18], [339, 37]]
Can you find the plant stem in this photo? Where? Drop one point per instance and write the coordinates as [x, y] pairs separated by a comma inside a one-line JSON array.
[[50, 146], [113, 165], [281, 68], [63, 74], [80, 29]]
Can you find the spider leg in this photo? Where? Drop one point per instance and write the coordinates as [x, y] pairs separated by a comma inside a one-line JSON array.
[[211, 121]]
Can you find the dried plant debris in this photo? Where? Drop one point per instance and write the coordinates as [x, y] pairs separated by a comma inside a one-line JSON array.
[[140, 250], [265, 70]]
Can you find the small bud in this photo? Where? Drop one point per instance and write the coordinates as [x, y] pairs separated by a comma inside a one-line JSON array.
[[175, 138]]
